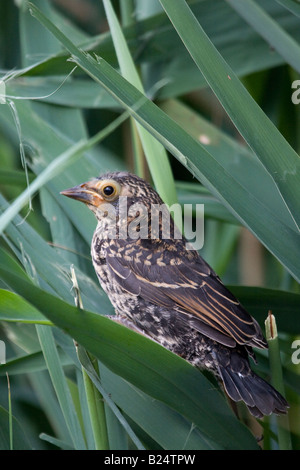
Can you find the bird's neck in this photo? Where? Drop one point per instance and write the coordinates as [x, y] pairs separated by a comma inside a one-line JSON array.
[[141, 225]]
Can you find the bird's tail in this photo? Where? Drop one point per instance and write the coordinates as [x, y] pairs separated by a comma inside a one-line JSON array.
[[260, 397]]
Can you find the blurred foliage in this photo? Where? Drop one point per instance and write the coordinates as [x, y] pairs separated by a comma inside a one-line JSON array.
[[251, 236]]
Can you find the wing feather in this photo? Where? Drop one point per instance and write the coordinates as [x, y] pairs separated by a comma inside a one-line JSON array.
[[188, 285]]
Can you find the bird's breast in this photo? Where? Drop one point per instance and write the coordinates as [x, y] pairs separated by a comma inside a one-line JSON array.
[[123, 302]]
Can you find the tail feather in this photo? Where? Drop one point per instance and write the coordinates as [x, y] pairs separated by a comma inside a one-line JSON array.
[[234, 390], [260, 397]]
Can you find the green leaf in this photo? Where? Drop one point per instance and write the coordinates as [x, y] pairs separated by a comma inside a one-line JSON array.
[[56, 442], [155, 153], [236, 158], [270, 30], [13, 309], [193, 193], [58, 165], [279, 159], [167, 427], [60, 385], [291, 5], [76, 93], [284, 305], [20, 440], [26, 364], [34, 42], [154, 42], [89, 370]]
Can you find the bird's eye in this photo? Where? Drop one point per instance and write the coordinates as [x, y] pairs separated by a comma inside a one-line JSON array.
[[108, 190]]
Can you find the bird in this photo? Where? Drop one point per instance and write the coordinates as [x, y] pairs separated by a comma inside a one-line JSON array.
[[161, 287]]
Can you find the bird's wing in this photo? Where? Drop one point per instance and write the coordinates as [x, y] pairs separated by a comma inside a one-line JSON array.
[[185, 283]]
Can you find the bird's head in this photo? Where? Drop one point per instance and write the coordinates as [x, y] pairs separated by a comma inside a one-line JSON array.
[[104, 195]]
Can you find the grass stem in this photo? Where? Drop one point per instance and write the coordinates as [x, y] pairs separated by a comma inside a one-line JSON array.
[[284, 438], [94, 398], [10, 414]]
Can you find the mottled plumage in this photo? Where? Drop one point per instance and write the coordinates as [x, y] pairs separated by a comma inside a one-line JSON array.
[[168, 292]]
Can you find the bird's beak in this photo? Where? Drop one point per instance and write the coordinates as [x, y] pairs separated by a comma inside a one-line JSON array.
[[86, 192]]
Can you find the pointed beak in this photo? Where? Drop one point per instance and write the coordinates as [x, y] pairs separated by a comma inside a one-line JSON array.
[[85, 192]]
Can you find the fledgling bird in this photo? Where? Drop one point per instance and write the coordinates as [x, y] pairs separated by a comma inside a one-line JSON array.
[[165, 290]]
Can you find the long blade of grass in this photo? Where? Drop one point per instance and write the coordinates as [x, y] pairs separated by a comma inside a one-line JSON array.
[[234, 156], [258, 301], [269, 29], [291, 5], [279, 159], [30, 363], [45, 393], [95, 379], [161, 423], [155, 153], [11, 440], [94, 402], [56, 442], [154, 39], [14, 308], [54, 168], [21, 441], [284, 437], [94, 398], [60, 385]]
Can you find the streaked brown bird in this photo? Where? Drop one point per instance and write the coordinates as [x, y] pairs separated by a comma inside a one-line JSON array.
[[165, 290]]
